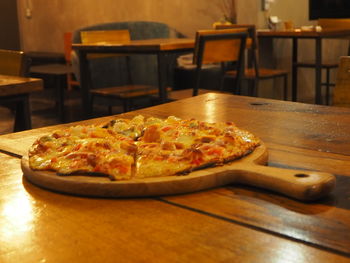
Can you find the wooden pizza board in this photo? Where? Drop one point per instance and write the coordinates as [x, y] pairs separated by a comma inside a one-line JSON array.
[[249, 170]]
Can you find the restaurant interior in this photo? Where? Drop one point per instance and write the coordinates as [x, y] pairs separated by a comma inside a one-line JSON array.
[[29, 23], [277, 68]]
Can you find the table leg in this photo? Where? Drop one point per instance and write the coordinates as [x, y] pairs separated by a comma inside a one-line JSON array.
[[85, 82], [60, 96], [294, 69], [318, 71], [162, 72], [23, 114]]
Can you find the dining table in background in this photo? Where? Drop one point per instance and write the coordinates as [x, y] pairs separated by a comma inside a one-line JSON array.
[[160, 47], [233, 223], [16, 90], [298, 34]]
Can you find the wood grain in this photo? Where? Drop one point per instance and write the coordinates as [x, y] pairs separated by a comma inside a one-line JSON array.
[[37, 225]]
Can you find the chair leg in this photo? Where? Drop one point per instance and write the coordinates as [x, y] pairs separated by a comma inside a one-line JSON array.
[[126, 105], [197, 80], [22, 115], [255, 87], [327, 85], [222, 77], [110, 110], [60, 95], [130, 81], [91, 103], [237, 89], [285, 87]]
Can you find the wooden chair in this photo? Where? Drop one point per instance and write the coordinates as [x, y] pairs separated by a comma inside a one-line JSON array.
[[341, 91], [328, 23], [125, 93], [105, 36], [214, 46], [254, 72], [71, 79], [15, 63]]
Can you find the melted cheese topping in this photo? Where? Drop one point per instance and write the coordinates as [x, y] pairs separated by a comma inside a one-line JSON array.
[[141, 147]]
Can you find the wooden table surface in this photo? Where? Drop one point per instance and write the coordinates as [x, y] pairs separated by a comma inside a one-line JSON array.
[[235, 223], [14, 85], [326, 33]]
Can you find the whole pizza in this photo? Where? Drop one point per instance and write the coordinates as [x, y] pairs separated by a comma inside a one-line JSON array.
[[141, 147]]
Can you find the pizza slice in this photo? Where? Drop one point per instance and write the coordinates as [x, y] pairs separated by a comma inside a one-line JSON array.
[[175, 146], [156, 160], [80, 149]]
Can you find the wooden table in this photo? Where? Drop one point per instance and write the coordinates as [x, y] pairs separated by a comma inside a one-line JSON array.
[[17, 89], [235, 223], [159, 47], [295, 35]]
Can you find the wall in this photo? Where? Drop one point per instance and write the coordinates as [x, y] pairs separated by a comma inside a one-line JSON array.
[[49, 19], [43, 31], [9, 39]]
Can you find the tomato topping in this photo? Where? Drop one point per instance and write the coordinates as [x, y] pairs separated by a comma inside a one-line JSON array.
[[77, 147], [123, 169], [197, 161], [94, 135], [216, 151], [158, 158], [166, 128]]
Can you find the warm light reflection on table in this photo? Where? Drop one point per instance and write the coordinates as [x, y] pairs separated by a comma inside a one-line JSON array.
[[19, 213], [290, 251], [210, 108]]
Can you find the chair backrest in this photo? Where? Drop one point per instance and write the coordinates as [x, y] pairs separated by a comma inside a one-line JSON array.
[[252, 43], [213, 46], [13, 63], [252, 40], [67, 41], [219, 46], [341, 91], [110, 36], [73, 77]]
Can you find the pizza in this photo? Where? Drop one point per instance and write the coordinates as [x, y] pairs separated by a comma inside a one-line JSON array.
[[84, 149], [140, 147]]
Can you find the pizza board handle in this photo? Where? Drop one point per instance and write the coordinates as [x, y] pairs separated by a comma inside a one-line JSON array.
[[299, 184]]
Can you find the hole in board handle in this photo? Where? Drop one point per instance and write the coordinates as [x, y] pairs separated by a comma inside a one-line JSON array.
[[301, 175]]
